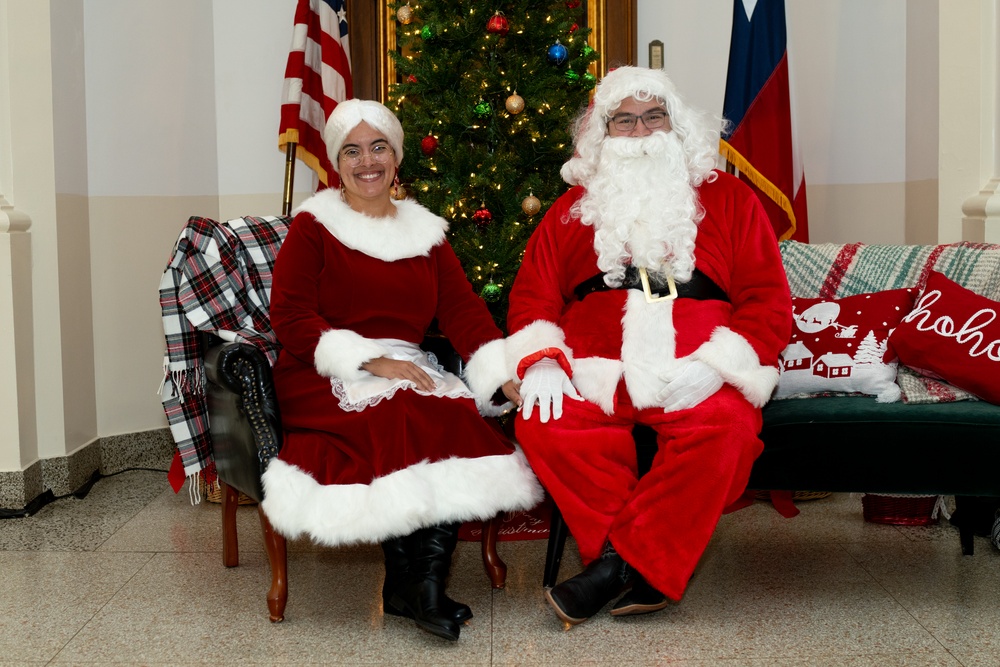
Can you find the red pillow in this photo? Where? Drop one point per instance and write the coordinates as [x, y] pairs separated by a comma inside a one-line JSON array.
[[952, 333], [841, 345]]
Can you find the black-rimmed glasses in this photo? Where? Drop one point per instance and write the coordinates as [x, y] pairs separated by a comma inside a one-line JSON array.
[[653, 119]]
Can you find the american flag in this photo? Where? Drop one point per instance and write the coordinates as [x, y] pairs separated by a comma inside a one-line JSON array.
[[317, 77]]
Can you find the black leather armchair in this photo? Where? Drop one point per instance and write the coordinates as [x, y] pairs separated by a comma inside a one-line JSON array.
[[245, 425]]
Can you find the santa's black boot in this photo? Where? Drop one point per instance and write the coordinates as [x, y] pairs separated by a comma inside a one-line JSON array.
[[577, 599], [397, 568], [420, 595]]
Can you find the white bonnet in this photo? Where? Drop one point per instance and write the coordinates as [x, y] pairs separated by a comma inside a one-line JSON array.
[[349, 114]]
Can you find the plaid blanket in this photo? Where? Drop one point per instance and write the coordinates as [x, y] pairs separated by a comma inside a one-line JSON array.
[[832, 271], [218, 280]]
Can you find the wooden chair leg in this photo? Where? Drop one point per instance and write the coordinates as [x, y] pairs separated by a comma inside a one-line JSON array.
[[277, 554], [230, 541], [554, 552], [496, 569]]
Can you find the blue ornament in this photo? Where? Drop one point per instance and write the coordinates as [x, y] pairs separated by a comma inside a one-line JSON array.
[[557, 54]]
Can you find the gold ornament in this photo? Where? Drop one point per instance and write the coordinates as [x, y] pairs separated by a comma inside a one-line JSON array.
[[405, 14], [515, 103], [531, 205], [398, 191]]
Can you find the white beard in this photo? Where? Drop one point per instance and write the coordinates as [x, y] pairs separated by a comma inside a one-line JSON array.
[[643, 207]]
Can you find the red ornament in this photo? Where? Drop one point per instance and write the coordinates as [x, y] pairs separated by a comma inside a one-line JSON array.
[[573, 28], [482, 217], [412, 78], [573, 4], [428, 145], [498, 24]]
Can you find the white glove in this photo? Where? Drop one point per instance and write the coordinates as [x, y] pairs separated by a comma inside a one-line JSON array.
[[691, 385], [545, 382]]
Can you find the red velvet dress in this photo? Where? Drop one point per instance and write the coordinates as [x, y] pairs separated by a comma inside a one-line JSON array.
[[364, 458]]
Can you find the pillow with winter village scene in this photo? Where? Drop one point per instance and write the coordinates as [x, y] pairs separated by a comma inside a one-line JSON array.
[[841, 345], [952, 334]]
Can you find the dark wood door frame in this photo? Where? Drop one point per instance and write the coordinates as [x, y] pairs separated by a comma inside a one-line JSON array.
[[372, 31]]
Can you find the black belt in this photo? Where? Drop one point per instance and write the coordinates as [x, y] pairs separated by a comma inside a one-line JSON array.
[[699, 287]]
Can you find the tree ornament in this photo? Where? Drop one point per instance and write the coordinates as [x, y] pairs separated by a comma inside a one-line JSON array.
[[428, 145], [586, 51], [573, 28], [531, 205], [411, 79], [589, 80], [557, 54], [572, 4], [482, 217], [426, 33], [515, 103], [572, 76], [483, 109], [491, 292], [405, 14], [498, 24]]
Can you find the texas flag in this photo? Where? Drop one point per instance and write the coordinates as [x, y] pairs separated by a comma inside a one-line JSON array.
[[761, 140]]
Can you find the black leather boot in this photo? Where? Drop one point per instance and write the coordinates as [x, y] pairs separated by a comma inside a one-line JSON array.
[[420, 595], [577, 599], [397, 567], [642, 599]]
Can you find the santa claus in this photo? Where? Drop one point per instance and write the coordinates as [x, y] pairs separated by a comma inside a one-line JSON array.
[[651, 293]]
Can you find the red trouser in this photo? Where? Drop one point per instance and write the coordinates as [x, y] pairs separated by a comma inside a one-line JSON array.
[[659, 524]]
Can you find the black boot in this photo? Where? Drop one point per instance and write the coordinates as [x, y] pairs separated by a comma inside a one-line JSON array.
[[642, 599], [577, 599], [420, 595], [397, 568]]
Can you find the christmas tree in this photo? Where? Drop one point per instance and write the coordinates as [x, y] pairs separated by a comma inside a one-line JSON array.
[[487, 95]]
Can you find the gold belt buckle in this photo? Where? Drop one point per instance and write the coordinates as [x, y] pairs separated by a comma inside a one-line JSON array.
[[644, 277]]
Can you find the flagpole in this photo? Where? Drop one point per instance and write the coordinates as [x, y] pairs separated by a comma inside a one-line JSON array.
[[286, 199]]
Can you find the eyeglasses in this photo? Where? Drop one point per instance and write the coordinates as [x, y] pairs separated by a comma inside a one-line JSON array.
[[353, 155], [653, 119]]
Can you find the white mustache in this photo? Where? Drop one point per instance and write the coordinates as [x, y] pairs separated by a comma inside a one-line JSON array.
[[655, 144]]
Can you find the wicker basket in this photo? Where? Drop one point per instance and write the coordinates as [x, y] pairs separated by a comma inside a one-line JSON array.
[[796, 495], [212, 492], [899, 510]]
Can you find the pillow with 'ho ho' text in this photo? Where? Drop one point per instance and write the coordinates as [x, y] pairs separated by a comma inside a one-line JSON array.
[[841, 345], [953, 334]]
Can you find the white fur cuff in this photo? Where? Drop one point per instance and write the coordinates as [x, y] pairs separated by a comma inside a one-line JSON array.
[[487, 370], [340, 353], [538, 335], [736, 361]]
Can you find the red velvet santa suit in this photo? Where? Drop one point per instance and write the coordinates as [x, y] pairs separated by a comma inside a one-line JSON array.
[[367, 458], [615, 346]]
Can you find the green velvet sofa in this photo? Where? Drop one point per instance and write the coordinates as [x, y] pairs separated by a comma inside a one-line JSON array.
[[851, 443]]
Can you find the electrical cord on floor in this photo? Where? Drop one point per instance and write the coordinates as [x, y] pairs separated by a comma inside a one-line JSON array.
[[47, 496]]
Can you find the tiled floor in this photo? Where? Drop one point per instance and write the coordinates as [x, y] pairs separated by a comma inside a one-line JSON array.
[[132, 575]]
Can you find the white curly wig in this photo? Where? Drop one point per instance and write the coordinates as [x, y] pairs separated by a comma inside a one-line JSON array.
[[349, 114], [698, 131]]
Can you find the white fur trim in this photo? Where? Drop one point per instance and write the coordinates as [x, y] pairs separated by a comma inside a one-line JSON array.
[[424, 494], [411, 233], [649, 344], [738, 364], [538, 335], [487, 370], [340, 353], [596, 378]]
